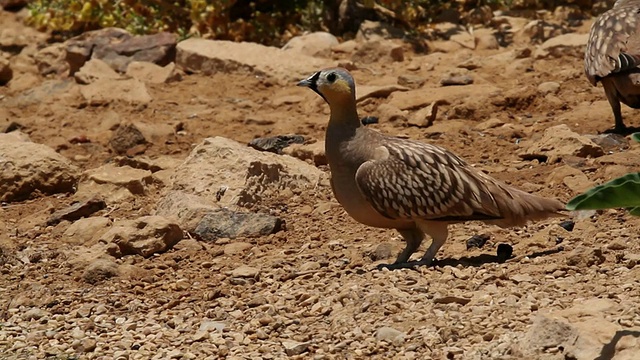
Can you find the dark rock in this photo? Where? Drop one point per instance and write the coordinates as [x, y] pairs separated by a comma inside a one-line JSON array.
[[80, 49], [610, 142], [13, 5], [275, 144], [456, 80], [567, 225], [78, 210], [6, 73], [504, 252], [118, 48], [126, 137], [368, 120], [477, 241], [225, 223]]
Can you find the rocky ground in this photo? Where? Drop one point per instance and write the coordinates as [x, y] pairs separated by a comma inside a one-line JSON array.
[[136, 223]]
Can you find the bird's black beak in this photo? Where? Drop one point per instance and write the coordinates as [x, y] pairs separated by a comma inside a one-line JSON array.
[[312, 83], [308, 83]]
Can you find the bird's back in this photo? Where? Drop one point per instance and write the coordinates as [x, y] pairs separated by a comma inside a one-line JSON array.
[[412, 180], [614, 41]]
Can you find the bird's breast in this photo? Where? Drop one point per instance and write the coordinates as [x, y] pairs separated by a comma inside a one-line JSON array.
[[356, 205]]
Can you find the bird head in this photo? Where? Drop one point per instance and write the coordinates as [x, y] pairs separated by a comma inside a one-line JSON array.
[[335, 85]]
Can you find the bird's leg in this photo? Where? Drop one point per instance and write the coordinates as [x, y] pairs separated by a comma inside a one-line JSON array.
[[439, 233], [413, 238], [612, 96]]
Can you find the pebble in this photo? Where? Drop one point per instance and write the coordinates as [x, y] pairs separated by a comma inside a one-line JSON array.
[[389, 334], [244, 271], [293, 348]]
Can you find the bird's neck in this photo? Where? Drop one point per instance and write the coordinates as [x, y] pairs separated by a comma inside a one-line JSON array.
[[344, 120]]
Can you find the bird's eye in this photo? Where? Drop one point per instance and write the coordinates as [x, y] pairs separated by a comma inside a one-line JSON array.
[[331, 77]]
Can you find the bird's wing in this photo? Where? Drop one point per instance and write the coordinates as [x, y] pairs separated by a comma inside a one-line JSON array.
[[414, 180], [614, 42]]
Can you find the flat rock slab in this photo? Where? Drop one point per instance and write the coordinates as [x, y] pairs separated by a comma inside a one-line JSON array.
[[212, 56], [134, 180], [415, 99], [77, 210], [563, 45], [382, 91]]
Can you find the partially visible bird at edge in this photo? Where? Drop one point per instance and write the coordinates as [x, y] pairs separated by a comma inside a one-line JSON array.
[[612, 57]]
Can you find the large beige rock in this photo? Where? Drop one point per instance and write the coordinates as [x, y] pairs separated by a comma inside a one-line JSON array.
[[115, 183], [144, 236], [104, 91], [152, 73], [314, 44], [211, 56], [28, 167], [558, 142], [581, 332], [95, 69], [230, 173], [563, 45]]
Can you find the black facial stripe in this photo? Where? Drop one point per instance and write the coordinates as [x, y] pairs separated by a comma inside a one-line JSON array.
[[314, 81]]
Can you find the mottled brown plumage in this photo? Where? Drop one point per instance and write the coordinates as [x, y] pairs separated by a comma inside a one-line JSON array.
[[613, 55], [414, 187]]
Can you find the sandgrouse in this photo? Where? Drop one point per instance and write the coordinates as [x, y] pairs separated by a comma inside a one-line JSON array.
[[613, 55], [414, 187]]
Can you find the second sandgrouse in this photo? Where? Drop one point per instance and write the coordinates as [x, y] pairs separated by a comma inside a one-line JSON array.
[[613, 55], [414, 187]]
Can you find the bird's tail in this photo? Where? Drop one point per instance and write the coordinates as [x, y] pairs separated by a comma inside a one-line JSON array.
[[518, 207]]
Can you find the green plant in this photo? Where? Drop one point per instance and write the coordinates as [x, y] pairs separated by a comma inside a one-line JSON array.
[[269, 22], [259, 20], [622, 192]]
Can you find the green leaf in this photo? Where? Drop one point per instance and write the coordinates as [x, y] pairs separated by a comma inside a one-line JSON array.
[[636, 136], [623, 192]]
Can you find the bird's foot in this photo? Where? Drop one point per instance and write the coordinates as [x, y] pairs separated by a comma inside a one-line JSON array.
[[619, 130], [406, 265]]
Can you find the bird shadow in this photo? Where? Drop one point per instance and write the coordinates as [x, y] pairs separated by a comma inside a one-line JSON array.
[[609, 350], [626, 131], [479, 260]]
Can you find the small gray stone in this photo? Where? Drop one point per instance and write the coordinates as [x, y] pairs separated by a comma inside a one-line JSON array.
[[212, 325], [245, 271], [456, 80], [100, 270], [275, 144], [292, 348], [549, 87], [389, 334], [383, 251], [34, 314]]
